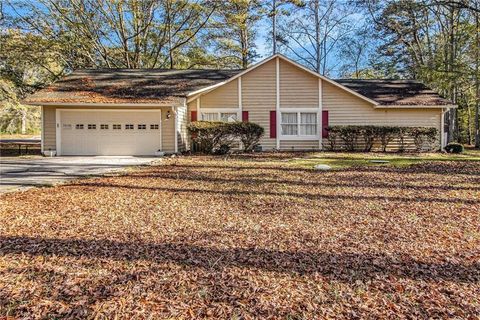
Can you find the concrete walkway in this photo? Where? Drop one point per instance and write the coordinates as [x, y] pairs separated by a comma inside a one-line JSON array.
[[22, 173]]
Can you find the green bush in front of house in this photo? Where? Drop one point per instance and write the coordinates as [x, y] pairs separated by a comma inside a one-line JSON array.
[[454, 147], [216, 137], [423, 137]]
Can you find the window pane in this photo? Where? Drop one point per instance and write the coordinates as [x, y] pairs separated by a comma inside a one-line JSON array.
[[79, 126], [308, 118], [289, 129], [92, 126], [117, 126], [141, 126], [154, 127], [290, 118], [228, 116], [308, 129], [129, 126], [104, 126], [210, 116]]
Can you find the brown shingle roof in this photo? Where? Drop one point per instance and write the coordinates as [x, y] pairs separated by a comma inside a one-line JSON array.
[[128, 85], [167, 87], [396, 92]]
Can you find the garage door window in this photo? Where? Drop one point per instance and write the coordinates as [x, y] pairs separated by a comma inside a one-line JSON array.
[[154, 127], [141, 126], [116, 126], [79, 126], [129, 127], [104, 127], [92, 126], [67, 126]]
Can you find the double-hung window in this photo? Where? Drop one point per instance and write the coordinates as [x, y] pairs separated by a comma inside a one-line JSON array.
[[225, 116], [299, 124]]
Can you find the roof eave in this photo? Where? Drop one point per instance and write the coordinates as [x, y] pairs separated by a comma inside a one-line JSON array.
[[415, 106], [97, 104]]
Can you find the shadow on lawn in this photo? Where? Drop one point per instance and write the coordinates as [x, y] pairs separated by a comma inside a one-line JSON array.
[[260, 179], [438, 167], [312, 196], [340, 266]]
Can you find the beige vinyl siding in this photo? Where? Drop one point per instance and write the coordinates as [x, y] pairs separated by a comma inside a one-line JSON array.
[[225, 96], [298, 88], [296, 145], [168, 131], [182, 118], [346, 109], [49, 128], [258, 98]]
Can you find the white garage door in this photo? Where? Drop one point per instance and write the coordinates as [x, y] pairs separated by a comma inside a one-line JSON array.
[[118, 132]]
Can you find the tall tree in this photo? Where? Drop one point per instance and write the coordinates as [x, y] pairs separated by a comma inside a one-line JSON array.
[[313, 32], [233, 31]]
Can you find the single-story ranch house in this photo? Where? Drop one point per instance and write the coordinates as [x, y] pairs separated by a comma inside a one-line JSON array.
[[139, 112]]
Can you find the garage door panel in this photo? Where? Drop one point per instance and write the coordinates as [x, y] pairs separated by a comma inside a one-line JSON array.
[[105, 140]]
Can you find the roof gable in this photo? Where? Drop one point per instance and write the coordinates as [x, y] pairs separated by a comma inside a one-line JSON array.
[[193, 95]]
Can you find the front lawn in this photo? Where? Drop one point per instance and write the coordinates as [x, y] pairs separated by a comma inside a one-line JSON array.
[[260, 236]]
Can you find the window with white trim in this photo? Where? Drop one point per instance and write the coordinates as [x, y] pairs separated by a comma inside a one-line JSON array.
[[220, 116], [141, 126], [154, 127], [228, 116], [299, 124], [79, 126], [104, 127], [92, 126], [129, 127], [116, 126], [210, 116]]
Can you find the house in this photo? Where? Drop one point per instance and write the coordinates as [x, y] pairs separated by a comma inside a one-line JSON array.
[[137, 112]]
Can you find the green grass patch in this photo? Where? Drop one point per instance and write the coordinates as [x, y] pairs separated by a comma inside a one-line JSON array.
[[344, 159]]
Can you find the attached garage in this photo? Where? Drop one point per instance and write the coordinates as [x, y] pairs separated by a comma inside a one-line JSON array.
[[108, 132]]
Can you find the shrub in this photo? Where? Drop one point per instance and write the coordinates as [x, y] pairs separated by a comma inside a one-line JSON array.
[[386, 134], [333, 135], [403, 132], [422, 136], [369, 134], [212, 136], [349, 135], [218, 137], [250, 134], [454, 147]]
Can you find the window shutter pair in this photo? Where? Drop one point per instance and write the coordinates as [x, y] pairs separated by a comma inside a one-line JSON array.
[[194, 117], [273, 124]]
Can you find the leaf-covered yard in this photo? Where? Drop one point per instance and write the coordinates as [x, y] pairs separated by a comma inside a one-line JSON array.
[[251, 237]]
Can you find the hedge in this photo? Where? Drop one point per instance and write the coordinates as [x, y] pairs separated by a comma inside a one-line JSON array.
[[383, 135], [219, 137]]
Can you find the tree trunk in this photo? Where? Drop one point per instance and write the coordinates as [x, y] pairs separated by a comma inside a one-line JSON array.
[[24, 121], [274, 25], [477, 80], [316, 6]]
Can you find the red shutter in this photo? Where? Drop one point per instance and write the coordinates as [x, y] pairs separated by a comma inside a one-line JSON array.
[[245, 116], [273, 124], [324, 124], [194, 116]]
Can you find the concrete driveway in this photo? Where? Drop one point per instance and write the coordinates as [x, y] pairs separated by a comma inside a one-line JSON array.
[[18, 173]]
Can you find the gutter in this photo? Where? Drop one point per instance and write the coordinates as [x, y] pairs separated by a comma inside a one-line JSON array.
[[414, 106], [96, 104]]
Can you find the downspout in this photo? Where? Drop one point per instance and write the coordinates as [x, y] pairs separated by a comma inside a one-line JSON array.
[[174, 109]]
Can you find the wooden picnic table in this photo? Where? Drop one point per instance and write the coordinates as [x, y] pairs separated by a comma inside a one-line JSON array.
[[20, 142]]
